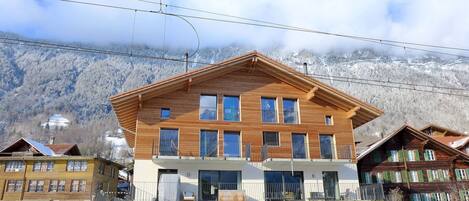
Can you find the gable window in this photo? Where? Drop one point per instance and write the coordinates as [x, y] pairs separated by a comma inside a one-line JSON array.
[[271, 138], [14, 166], [14, 185], [208, 107], [231, 144], [269, 110], [412, 155], [56, 185], [393, 156], [43, 166], [77, 165], [290, 111], [208, 143], [36, 186], [168, 142], [328, 120], [429, 155], [165, 113], [231, 108]]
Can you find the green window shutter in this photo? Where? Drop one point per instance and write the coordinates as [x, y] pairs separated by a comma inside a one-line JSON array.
[[420, 175], [429, 176], [443, 197], [389, 156], [405, 176], [458, 174], [425, 155], [467, 172], [393, 176], [441, 175], [417, 155], [461, 195], [385, 177], [401, 155]]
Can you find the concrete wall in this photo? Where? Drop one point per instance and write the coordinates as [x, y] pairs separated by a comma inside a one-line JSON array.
[[146, 171]]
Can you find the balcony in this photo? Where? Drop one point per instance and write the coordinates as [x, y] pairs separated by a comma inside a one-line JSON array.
[[336, 155]]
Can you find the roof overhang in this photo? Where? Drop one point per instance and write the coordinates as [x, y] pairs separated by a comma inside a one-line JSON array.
[[126, 104]]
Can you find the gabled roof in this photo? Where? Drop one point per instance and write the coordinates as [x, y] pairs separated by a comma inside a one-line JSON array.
[[45, 150], [442, 129], [126, 104], [418, 134]]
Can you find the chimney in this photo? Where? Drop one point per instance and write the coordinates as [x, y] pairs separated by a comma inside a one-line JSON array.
[[51, 140], [305, 68]]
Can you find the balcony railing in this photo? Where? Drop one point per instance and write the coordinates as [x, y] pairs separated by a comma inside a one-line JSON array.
[[257, 153]]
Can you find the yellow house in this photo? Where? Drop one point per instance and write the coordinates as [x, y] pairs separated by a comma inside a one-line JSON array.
[[30, 170]]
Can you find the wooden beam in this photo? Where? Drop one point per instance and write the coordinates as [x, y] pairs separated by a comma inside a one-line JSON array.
[[351, 113], [311, 93], [253, 64]]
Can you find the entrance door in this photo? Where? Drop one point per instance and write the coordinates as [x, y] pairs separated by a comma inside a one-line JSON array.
[[210, 182], [330, 180]]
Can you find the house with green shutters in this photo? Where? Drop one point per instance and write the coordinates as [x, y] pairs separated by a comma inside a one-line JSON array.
[[421, 167]]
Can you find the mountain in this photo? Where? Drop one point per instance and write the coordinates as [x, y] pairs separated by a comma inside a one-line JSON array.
[[36, 82]]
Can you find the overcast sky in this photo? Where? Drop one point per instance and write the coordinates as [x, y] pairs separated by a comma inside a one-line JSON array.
[[424, 21]]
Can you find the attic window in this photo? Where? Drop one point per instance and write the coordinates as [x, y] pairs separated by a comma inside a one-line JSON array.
[[165, 113], [328, 120]]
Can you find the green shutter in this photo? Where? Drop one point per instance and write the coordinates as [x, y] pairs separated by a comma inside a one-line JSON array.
[[458, 174], [405, 176], [467, 172], [401, 155], [417, 155], [389, 156], [429, 176], [425, 155], [441, 176], [420, 175], [461, 195]]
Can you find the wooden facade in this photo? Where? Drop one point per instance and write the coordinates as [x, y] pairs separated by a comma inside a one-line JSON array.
[[378, 165], [249, 77]]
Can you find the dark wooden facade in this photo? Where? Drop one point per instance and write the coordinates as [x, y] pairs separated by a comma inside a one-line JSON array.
[[378, 160]]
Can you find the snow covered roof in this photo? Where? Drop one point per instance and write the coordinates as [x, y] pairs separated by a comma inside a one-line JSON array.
[[45, 150], [40, 147]]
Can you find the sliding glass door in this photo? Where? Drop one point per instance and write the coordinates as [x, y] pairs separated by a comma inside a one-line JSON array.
[[211, 181], [283, 185]]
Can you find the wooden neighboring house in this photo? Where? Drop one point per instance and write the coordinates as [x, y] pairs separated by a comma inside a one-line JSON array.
[[452, 138], [422, 167], [248, 123], [30, 170]]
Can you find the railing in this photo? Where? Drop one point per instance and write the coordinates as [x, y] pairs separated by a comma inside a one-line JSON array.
[[252, 191]]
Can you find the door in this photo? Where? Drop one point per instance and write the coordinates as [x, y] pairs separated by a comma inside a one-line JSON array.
[[283, 185], [330, 180], [211, 181]]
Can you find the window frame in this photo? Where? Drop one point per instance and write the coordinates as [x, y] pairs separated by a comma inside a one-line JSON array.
[[77, 165], [35, 187], [13, 165], [270, 133], [16, 184], [200, 143], [159, 141], [216, 107], [332, 146], [276, 120], [162, 112], [239, 143], [296, 110], [331, 117], [238, 109]]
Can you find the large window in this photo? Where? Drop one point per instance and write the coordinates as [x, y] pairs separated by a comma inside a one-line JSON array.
[[14, 166], [231, 108], [290, 111], [168, 142], [208, 107], [299, 145], [283, 185], [78, 186], [271, 138], [231, 144], [208, 143], [210, 182], [327, 146], [43, 166], [77, 165], [57, 186], [14, 185], [36, 186], [269, 110]]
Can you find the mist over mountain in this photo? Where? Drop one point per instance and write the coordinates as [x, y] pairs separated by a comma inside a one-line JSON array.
[[36, 82]]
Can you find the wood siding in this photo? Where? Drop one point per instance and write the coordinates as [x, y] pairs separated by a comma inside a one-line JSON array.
[[250, 86]]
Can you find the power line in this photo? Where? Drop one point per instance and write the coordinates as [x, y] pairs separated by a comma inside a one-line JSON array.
[[310, 30], [362, 81]]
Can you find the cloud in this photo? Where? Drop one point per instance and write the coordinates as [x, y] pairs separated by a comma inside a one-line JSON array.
[[422, 21]]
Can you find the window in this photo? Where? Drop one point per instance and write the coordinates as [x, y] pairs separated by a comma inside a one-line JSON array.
[[165, 113], [429, 155], [269, 110], [14, 186], [327, 146], [367, 179], [101, 168], [329, 120], [437, 175], [78, 186], [299, 145], [270, 138], [113, 172], [461, 174], [393, 156], [415, 197], [168, 142], [211, 181], [397, 177], [379, 178], [14, 166], [280, 184], [57, 186], [208, 143], [290, 111], [231, 108], [412, 155], [415, 176], [36, 186], [231, 144], [77, 166], [208, 107], [43, 166]]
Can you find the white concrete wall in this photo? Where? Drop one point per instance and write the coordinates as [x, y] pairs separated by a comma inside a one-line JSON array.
[[146, 171]]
